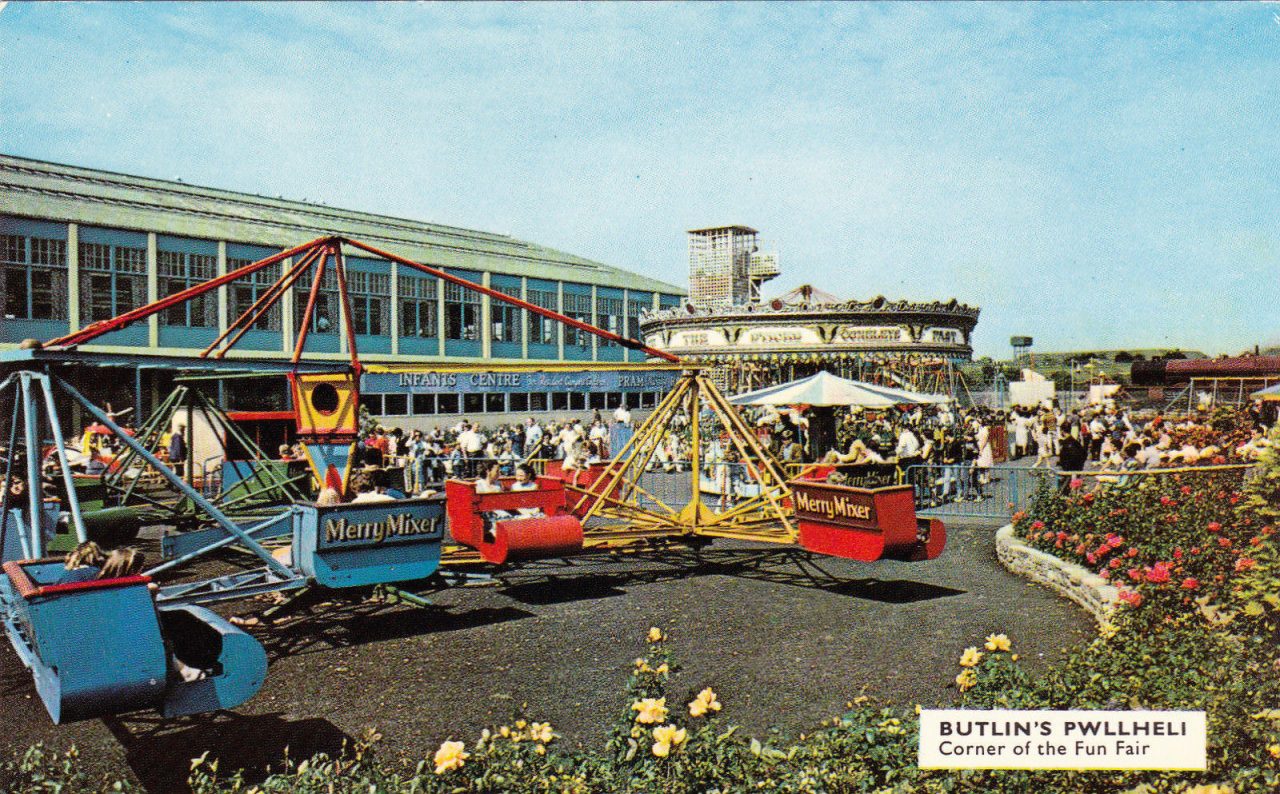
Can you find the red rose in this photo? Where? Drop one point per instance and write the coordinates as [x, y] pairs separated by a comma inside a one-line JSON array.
[[1189, 583], [1244, 564], [1158, 573], [1214, 526], [1131, 597]]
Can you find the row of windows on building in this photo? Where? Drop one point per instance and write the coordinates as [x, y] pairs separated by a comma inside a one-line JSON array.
[[395, 404], [114, 280]]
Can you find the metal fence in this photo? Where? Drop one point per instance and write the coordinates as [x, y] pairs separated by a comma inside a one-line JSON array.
[[962, 490], [966, 490]]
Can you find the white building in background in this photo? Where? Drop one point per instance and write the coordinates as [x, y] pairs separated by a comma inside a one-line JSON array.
[[723, 265]]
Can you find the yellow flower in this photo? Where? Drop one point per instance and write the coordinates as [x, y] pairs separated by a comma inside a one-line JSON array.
[[655, 634], [541, 732], [1274, 749], [918, 709], [505, 731], [662, 669], [664, 737], [704, 702], [451, 755], [997, 642], [971, 657], [1014, 657], [966, 680], [652, 710], [891, 726]]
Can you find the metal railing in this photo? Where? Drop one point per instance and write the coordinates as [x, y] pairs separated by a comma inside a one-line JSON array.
[[963, 489]]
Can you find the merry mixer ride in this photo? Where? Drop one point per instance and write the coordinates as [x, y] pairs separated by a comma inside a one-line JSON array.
[[100, 645]]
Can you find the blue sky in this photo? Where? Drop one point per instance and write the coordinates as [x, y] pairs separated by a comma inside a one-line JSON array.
[[1092, 175]]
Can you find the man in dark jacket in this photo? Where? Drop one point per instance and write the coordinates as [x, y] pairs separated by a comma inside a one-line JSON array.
[[178, 450], [1071, 457]]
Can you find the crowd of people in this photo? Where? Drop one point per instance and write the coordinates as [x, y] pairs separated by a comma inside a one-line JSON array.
[[467, 449], [956, 449], [960, 445]]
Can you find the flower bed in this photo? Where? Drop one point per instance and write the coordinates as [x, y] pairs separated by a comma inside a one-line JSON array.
[[1173, 536]]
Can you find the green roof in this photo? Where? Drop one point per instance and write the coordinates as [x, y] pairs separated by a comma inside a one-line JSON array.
[[72, 194]]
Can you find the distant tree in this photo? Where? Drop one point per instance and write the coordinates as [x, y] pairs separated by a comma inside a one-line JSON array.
[[1123, 357]]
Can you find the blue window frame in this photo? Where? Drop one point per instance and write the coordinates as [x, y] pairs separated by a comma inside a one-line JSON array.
[[542, 330], [113, 280], [35, 278], [507, 321], [180, 270], [246, 290], [418, 307]]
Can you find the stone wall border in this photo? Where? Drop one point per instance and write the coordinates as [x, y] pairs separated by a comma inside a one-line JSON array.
[[1093, 593]]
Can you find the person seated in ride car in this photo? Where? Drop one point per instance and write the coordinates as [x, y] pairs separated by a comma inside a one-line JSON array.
[[366, 489], [122, 562], [382, 482], [490, 483], [83, 563], [575, 460], [525, 479]]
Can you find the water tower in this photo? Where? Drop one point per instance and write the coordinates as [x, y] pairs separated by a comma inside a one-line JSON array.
[[1022, 350]]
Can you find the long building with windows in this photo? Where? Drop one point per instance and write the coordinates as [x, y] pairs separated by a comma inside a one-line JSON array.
[[79, 245]]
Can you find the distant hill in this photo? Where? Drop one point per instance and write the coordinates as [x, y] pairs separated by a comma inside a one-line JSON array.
[[1126, 356]]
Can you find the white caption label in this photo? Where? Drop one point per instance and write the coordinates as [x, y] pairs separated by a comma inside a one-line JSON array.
[[1005, 739]]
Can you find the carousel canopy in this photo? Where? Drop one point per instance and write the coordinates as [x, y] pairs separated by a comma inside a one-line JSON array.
[[1269, 393], [825, 389]]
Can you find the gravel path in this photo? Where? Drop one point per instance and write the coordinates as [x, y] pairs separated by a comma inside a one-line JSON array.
[[782, 650]]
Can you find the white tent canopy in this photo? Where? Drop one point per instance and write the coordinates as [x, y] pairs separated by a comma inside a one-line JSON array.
[[825, 389], [1269, 393]]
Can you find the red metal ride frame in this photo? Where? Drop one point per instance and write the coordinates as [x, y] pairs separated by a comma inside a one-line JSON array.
[[319, 251]]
